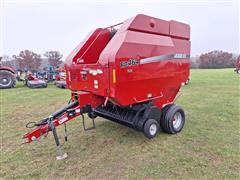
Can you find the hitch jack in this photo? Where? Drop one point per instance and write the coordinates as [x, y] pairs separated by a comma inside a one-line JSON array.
[[60, 154]]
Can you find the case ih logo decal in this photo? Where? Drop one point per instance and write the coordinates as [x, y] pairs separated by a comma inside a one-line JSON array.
[[130, 62], [164, 57]]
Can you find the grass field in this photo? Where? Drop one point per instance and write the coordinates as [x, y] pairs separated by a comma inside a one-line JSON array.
[[207, 148]]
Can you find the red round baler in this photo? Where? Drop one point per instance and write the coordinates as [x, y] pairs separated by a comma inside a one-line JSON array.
[[130, 75]]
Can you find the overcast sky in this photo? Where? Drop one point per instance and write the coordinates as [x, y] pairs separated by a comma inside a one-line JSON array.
[[61, 26]]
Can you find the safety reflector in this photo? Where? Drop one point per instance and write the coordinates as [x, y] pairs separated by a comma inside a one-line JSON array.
[[114, 76]]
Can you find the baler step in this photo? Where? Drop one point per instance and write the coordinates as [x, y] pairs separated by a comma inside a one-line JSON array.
[[89, 128]]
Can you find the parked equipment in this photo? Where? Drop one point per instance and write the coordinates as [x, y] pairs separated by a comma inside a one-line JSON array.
[[237, 69], [33, 82], [7, 77], [131, 76], [49, 73], [60, 78]]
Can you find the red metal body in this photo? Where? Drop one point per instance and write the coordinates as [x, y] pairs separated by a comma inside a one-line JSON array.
[[30, 77], [7, 69], [146, 59], [237, 64], [61, 74]]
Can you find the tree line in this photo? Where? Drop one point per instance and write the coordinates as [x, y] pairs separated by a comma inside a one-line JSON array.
[[214, 59], [29, 60]]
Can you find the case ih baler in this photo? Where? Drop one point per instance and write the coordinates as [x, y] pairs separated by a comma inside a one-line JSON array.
[[131, 76]]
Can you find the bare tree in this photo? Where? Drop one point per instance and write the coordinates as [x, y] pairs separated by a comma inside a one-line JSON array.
[[28, 60], [54, 58], [216, 59], [8, 61]]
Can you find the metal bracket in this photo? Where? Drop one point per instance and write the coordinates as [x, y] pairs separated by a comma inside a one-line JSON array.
[[90, 128], [148, 99], [65, 132]]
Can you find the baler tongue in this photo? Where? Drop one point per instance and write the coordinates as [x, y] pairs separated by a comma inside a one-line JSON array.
[[49, 124]]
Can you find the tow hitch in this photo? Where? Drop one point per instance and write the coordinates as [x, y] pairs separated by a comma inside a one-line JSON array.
[[50, 123]]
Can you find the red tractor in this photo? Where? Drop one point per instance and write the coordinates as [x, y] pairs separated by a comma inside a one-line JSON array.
[[7, 77], [237, 70], [131, 76]]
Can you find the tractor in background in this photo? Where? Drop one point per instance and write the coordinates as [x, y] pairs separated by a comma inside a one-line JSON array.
[[60, 78], [237, 69], [7, 76], [49, 73]]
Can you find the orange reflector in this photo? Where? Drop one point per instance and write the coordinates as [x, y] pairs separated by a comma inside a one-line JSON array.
[[114, 76]]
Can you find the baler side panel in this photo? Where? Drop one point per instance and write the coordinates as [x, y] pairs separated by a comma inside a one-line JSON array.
[[184, 64], [179, 30], [107, 58], [161, 79]]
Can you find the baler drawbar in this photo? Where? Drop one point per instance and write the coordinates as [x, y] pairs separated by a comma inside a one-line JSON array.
[[130, 75]]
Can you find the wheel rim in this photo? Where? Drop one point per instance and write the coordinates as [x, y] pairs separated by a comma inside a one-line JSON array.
[[5, 81], [153, 129], [177, 120]]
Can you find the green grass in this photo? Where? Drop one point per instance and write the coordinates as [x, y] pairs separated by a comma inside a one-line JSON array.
[[207, 148]]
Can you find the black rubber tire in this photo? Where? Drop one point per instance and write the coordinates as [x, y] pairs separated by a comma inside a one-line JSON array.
[[163, 114], [167, 119], [146, 128], [10, 76]]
